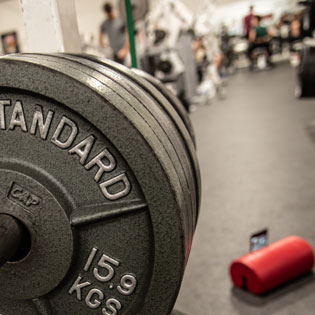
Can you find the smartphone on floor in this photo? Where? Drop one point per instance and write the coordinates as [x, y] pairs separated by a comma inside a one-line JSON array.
[[258, 240]]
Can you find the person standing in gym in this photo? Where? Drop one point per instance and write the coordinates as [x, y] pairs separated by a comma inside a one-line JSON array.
[[259, 37], [247, 21], [114, 27]]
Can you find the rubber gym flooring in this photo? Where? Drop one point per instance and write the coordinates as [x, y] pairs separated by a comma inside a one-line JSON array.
[[258, 170]]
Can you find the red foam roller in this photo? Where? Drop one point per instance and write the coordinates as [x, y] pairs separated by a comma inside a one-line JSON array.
[[273, 265]]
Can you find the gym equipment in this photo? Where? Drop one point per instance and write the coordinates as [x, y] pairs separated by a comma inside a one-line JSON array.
[[169, 56], [123, 77], [306, 75], [170, 109], [173, 100], [131, 34], [273, 265], [99, 189]]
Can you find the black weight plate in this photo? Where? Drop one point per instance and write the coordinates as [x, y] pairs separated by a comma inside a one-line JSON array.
[[142, 231], [110, 83], [176, 103], [186, 177], [155, 110], [151, 90], [306, 73], [147, 86]]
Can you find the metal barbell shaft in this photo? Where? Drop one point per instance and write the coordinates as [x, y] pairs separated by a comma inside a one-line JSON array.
[[10, 237]]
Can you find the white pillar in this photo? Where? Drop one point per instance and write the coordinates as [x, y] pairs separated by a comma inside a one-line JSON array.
[[51, 26]]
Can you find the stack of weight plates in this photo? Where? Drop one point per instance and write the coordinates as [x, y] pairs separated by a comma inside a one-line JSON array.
[[306, 73], [98, 164]]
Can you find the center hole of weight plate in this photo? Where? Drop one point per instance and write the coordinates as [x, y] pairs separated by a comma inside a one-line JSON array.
[[25, 245]]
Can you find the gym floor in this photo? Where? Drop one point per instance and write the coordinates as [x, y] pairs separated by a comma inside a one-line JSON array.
[[258, 166]]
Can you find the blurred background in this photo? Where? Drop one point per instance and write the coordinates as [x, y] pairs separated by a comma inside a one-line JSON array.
[[191, 46]]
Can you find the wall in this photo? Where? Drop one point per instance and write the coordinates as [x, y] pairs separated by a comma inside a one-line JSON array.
[[197, 5], [232, 14], [11, 20], [90, 14]]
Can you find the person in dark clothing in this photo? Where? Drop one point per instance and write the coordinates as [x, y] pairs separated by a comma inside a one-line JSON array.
[[296, 30], [284, 29], [259, 37], [312, 15], [115, 29], [247, 21]]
